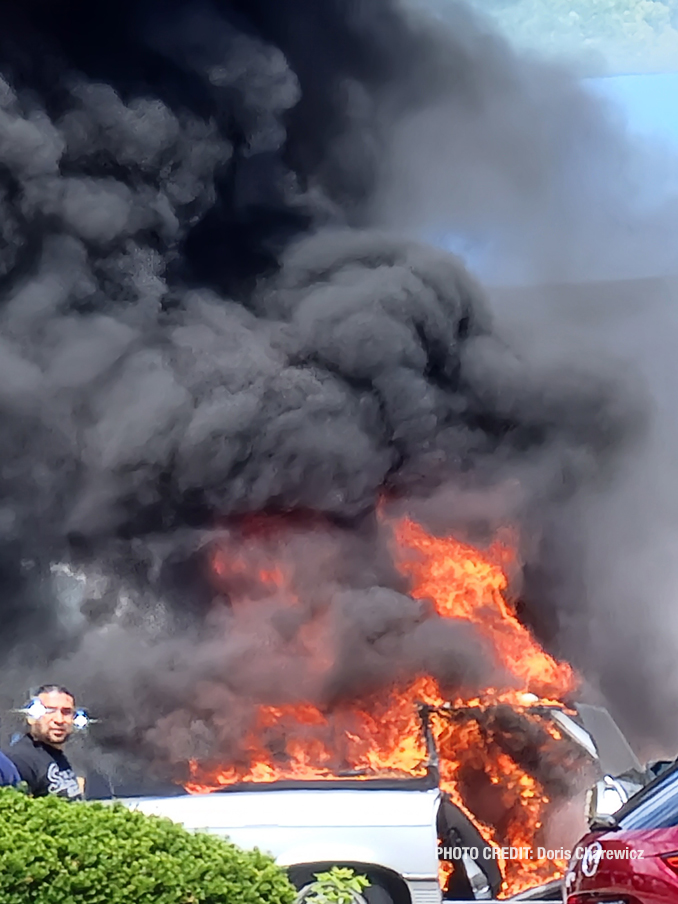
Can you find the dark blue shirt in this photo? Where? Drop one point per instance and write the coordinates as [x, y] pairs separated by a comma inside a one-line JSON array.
[[9, 774], [44, 768]]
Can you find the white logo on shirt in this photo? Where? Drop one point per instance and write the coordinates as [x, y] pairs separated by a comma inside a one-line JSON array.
[[60, 781]]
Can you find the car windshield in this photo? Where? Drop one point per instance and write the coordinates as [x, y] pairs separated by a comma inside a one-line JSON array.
[[655, 806]]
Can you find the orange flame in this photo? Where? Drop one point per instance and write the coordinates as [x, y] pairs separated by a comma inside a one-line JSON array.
[[380, 735], [467, 585]]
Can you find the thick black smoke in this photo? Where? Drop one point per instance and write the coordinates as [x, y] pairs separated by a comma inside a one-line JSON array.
[[199, 322]]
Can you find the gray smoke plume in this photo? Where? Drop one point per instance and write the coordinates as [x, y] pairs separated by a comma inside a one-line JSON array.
[[580, 210], [212, 306]]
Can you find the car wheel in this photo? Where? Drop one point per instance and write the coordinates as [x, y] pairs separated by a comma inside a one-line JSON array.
[[375, 894], [308, 890]]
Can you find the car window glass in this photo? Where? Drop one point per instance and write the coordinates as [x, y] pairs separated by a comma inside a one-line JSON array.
[[657, 810]]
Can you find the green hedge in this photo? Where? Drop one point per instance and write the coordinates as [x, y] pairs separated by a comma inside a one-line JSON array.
[[56, 852]]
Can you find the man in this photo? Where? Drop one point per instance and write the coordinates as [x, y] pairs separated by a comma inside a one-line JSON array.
[[8, 771], [38, 755]]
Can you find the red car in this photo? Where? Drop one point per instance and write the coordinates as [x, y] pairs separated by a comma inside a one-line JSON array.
[[632, 857]]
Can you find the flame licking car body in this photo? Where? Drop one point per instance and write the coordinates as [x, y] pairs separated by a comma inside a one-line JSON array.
[[493, 748]]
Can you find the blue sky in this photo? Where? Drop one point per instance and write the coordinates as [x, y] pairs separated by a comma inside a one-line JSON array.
[[649, 103], [648, 106]]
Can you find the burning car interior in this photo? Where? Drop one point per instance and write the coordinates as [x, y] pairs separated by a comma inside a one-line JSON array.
[[504, 759]]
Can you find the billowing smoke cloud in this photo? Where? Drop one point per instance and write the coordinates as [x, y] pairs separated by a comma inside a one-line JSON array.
[[604, 579], [200, 321]]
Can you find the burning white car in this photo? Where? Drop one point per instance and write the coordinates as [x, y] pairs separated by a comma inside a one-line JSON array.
[[387, 833], [398, 832], [424, 813]]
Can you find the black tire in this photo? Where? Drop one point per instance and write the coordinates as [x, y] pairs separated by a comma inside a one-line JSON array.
[[300, 899], [374, 894], [377, 894]]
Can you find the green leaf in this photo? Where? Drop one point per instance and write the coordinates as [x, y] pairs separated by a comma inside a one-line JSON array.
[[56, 852]]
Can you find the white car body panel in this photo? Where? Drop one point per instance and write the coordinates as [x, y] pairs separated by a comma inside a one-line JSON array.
[[392, 829]]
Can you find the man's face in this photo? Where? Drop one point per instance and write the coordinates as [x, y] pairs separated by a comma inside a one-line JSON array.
[[56, 726]]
